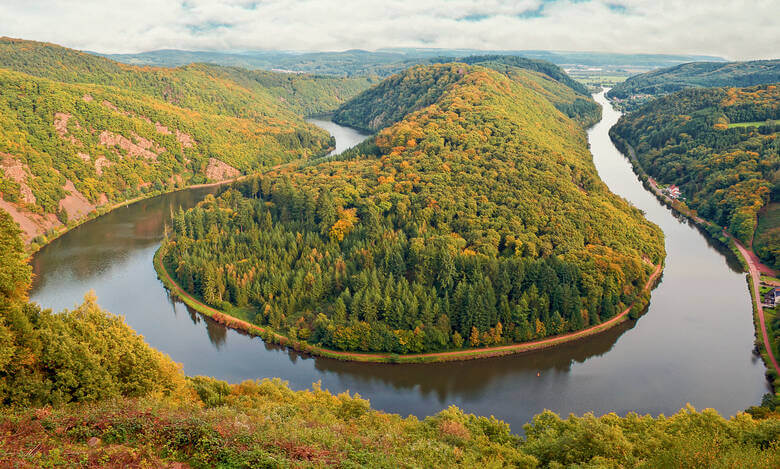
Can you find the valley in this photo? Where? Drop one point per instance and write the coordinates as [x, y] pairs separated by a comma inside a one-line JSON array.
[[637, 364], [247, 256]]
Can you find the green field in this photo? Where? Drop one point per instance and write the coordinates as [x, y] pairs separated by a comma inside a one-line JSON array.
[[767, 237], [754, 123]]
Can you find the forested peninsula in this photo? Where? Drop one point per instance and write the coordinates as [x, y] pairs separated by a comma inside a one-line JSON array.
[[474, 217]]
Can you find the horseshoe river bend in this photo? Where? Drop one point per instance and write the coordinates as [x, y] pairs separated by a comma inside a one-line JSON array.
[[694, 344]]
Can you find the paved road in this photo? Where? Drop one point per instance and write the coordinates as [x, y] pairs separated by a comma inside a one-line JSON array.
[[755, 267], [755, 277]]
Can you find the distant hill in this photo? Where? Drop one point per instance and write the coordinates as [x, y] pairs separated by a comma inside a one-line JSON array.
[[385, 62], [639, 88], [80, 131], [418, 87], [224, 90]]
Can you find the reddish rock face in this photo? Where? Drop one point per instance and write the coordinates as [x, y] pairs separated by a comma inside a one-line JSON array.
[[218, 170], [75, 204], [185, 139], [61, 126], [139, 148], [32, 224], [19, 173]]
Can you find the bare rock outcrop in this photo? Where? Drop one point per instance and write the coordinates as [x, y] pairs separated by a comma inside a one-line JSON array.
[[74, 203], [61, 126], [219, 171], [32, 224], [142, 147], [20, 174]]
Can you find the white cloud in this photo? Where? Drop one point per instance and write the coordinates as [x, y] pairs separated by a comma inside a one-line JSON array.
[[732, 29]]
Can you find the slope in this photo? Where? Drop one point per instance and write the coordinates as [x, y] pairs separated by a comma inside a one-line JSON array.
[[82, 132], [719, 145], [639, 88], [206, 88], [403, 93]]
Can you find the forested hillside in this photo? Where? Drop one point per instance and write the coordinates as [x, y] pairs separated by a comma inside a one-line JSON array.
[[639, 88], [415, 88], [477, 220], [389, 61], [206, 88], [720, 146], [80, 132]]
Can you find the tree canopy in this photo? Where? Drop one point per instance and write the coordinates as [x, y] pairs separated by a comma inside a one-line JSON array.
[[720, 146], [476, 220]]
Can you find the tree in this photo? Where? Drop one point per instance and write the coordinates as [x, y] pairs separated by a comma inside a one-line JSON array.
[[474, 339]]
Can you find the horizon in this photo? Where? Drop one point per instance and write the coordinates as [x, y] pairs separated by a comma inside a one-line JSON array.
[[723, 29], [402, 49]]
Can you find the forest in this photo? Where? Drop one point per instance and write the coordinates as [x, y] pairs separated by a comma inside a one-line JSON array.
[[720, 147], [638, 89], [399, 95], [81, 389], [79, 132], [389, 61], [477, 220]]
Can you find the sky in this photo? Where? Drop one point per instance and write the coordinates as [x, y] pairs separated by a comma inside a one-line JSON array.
[[733, 29]]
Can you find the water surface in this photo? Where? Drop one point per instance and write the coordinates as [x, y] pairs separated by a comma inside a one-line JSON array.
[[346, 137], [693, 345]]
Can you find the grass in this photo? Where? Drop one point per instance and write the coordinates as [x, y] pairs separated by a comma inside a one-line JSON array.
[[767, 236], [769, 279], [754, 123]]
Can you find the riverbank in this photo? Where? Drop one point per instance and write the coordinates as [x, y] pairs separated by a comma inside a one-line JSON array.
[[746, 257], [456, 355], [34, 247]]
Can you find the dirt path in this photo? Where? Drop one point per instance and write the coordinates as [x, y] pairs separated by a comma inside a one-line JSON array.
[[755, 277], [486, 352]]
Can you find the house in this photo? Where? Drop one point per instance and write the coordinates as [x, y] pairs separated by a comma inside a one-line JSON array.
[[672, 191], [772, 297]]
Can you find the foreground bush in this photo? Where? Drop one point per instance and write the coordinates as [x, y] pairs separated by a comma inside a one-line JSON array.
[[80, 355], [266, 424]]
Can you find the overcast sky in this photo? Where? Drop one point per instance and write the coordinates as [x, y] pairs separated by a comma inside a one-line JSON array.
[[734, 29]]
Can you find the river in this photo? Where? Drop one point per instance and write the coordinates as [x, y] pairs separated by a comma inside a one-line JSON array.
[[694, 345]]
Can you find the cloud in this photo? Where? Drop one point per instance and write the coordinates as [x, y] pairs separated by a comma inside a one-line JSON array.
[[737, 30]]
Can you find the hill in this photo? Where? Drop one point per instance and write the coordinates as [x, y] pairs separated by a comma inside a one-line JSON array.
[[478, 219], [81, 132], [388, 102], [639, 88], [388, 61], [719, 145]]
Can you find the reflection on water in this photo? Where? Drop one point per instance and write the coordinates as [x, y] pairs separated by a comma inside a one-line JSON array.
[[346, 137], [693, 345]]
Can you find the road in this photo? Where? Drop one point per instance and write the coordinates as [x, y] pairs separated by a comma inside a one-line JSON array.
[[755, 277]]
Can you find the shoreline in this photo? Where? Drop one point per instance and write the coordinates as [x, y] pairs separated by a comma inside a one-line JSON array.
[[105, 209], [743, 254], [382, 357]]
